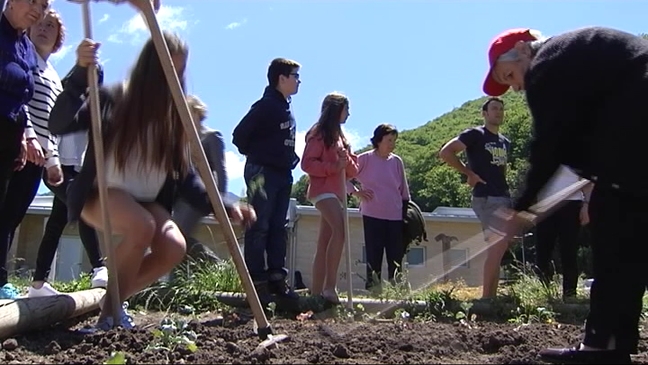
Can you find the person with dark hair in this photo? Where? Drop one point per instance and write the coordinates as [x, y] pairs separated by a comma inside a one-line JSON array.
[[266, 136], [383, 192], [586, 92], [327, 156], [487, 152]]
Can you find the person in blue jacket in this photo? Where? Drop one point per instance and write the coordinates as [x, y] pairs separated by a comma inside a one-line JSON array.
[[266, 136]]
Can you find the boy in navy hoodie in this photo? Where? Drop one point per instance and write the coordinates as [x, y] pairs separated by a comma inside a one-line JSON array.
[[266, 136]]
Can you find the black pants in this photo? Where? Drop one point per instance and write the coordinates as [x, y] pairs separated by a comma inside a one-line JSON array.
[[382, 236], [267, 238], [55, 226], [21, 190], [562, 226], [10, 140], [620, 261]]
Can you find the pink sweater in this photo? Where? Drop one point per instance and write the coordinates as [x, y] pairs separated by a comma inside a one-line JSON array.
[[386, 178], [319, 162]]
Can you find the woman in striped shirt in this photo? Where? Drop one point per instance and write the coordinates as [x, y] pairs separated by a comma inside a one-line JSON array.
[[47, 37], [71, 151]]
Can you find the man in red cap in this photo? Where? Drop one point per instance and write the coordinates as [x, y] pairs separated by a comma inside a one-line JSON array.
[[587, 91]]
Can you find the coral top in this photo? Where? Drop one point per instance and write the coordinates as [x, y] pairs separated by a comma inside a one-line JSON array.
[[320, 164]]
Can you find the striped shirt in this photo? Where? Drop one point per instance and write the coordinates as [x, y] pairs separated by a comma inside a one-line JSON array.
[[47, 86]]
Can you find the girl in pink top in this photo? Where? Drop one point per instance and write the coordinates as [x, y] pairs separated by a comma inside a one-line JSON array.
[[384, 191], [326, 156]]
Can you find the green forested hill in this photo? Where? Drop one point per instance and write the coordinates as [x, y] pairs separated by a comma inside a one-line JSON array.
[[434, 184]]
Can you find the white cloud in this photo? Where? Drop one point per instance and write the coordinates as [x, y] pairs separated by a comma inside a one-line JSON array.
[[235, 25], [58, 56], [172, 18], [234, 165], [356, 140], [104, 18]]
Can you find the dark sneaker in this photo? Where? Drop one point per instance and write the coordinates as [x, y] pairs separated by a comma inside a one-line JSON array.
[[281, 288]]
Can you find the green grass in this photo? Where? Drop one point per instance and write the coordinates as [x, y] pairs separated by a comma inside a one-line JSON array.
[[191, 289], [82, 283]]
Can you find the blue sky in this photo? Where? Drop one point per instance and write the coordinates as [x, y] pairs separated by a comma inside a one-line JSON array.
[[401, 62]]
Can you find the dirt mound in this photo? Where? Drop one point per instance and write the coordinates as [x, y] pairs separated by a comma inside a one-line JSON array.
[[311, 341]]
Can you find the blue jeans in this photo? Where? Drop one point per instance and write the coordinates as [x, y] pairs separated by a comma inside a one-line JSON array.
[[268, 191]]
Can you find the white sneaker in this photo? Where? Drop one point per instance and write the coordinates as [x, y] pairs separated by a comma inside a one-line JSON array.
[[45, 291], [99, 277]]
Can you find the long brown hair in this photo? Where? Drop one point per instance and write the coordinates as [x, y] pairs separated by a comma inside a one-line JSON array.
[[145, 118], [328, 126]]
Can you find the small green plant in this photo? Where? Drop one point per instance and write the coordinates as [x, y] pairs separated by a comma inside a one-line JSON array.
[[83, 282], [116, 358], [272, 308], [173, 333], [523, 315], [463, 314]]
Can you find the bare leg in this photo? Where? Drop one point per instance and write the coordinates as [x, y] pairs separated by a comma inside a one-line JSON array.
[[167, 250], [331, 211], [492, 263], [319, 261], [134, 224]]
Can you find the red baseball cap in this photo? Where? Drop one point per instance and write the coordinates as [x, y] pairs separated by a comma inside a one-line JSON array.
[[501, 44]]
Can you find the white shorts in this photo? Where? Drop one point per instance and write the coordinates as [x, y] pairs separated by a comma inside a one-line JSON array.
[[321, 197]]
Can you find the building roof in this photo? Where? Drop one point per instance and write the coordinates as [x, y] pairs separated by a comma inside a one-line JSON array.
[[42, 205]]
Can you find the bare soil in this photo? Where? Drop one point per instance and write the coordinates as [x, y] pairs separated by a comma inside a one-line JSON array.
[[316, 341]]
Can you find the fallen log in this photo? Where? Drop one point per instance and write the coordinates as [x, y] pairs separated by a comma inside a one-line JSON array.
[[19, 316], [386, 308]]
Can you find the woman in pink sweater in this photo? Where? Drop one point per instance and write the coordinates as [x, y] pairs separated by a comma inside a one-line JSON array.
[[326, 157], [381, 174]]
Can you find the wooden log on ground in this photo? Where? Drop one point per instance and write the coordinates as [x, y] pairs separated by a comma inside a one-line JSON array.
[[385, 307], [22, 315]]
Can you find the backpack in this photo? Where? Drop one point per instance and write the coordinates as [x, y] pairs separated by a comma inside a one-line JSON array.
[[413, 225]]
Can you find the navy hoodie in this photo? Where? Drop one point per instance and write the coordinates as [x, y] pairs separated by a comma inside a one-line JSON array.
[[266, 134]]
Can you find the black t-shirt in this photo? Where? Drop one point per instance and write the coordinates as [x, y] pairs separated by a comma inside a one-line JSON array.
[[487, 157]]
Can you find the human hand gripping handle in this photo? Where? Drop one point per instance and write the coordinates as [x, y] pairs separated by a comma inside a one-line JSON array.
[[88, 53], [343, 159]]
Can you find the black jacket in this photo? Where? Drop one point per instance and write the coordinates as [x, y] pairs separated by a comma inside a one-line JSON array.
[[587, 92], [71, 113], [266, 134]]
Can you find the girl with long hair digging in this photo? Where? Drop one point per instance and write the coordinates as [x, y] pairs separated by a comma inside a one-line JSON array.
[[147, 167], [326, 157]]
